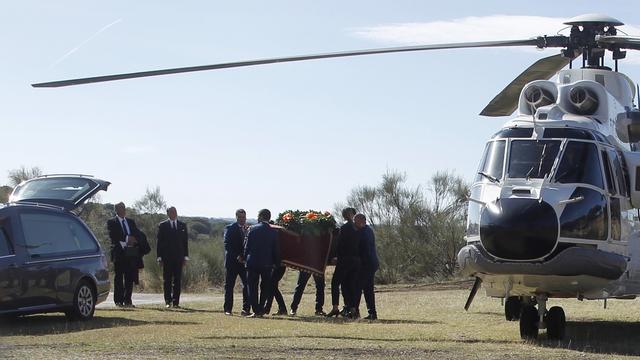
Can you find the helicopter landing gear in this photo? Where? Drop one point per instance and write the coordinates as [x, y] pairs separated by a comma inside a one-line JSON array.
[[529, 322], [556, 323], [512, 308], [532, 319]]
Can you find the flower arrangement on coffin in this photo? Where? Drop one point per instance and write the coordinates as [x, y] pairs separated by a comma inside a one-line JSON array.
[[306, 239], [309, 222]]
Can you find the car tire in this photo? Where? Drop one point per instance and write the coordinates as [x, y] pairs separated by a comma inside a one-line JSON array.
[[84, 302]]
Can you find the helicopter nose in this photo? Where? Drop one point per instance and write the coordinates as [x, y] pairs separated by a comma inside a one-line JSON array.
[[518, 229]]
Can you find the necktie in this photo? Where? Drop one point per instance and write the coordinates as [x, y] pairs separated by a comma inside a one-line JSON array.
[[124, 228], [173, 225]]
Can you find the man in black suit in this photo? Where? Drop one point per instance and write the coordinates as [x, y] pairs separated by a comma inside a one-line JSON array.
[[261, 254], [123, 233], [173, 254], [234, 235], [347, 267], [370, 264]]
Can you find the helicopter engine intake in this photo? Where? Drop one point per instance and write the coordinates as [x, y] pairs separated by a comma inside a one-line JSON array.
[[583, 100], [536, 97]]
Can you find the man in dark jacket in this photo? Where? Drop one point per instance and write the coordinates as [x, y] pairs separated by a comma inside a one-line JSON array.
[[261, 254], [126, 254], [173, 254], [369, 265], [234, 235], [347, 267]]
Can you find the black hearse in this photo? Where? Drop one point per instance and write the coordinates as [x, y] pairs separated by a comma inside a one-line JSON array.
[[50, 260]]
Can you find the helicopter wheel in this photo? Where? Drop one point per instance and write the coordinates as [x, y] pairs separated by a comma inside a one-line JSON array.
[[556, 323], [512, 308], [529, 322]]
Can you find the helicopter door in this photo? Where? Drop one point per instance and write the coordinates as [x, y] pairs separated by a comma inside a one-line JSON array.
[[613, 193]]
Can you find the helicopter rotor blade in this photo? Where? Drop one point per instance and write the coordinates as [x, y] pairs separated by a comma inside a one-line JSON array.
[[538, 42], [622, 42], [506, 102]]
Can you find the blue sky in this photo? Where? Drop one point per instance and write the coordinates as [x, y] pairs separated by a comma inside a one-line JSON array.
[[298, 135]]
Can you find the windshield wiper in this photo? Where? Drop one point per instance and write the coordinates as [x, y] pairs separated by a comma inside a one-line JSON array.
[[491, 178], [539, 165]]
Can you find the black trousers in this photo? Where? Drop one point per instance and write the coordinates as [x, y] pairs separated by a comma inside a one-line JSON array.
[[232, 272], [345, 276], [365, 285], [123, 281], [172, 276], [303, 278], [276, 276], [263, 277]]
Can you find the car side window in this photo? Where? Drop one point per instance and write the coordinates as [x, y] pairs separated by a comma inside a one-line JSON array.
[[5, 246], [55, 234]]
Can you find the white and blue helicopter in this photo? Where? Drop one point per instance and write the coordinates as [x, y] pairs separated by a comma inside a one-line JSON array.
[[552, 212]]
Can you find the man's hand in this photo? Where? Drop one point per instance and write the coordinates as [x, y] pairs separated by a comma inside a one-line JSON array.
[[159, 261], [240, 259], [131, 240]]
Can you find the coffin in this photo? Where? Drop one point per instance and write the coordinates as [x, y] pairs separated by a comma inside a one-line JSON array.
[[306, 252]]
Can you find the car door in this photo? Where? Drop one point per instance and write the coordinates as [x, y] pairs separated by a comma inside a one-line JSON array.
[[9, 279]]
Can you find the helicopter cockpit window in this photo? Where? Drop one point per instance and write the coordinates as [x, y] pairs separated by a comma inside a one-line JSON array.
[[532, 158], [600, 137], [580, 164], [568, 133], [617, 167], [492, 162], [513, 133]]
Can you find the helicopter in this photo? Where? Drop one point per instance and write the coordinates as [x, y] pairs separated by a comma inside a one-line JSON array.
[[553, 209]]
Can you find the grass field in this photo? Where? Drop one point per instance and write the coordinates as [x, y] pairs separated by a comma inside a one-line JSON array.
[[415, 322]]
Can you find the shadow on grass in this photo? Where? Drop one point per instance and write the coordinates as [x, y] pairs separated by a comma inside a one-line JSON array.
[[187, 310], [47, 324], [322, 319], [355, 338], [600, 337]]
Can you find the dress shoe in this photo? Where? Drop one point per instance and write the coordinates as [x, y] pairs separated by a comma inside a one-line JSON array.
[[320, 313], [119, 304], [280, 312], [176, 306], [371, 317], [292, 312], [228, 313], [333, 312], [167, 306], [245, 313], [129, 306], [255, 316]]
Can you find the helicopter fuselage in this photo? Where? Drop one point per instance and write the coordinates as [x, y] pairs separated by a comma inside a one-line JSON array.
[[551, 210]]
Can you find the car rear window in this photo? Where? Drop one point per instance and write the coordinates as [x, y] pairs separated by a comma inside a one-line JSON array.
[[55, 234]]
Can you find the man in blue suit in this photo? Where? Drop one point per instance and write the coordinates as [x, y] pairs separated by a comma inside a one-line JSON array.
[[261, 254], [234, 235], [369, 265]]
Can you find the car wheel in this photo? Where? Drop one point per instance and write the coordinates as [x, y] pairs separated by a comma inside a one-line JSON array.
[[84, 302]]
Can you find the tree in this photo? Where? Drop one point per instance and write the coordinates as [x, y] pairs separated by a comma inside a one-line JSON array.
[[5, 191], [418, 233], [152, 202], [16, 176]]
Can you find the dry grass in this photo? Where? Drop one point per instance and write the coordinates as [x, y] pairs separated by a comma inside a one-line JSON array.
[[416, 322]]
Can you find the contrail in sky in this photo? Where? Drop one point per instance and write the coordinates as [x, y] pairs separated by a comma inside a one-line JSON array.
[[84, 42]]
